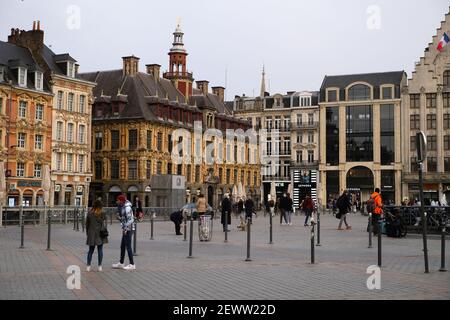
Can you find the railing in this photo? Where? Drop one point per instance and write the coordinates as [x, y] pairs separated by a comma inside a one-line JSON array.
[[177, 74], [276, 178], [305, 125], [412, 218], [66, 214], [305, 164]]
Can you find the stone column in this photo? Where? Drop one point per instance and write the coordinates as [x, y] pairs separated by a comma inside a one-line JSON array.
[[377, 178], [398, 186], [323, 186], [323, 136], [397, 135], [439, 133], [342, 180]]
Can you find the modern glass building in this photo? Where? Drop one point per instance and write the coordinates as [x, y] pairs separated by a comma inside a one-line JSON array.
[[360, 138]]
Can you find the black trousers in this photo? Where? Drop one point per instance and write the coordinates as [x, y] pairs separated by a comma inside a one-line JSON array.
[[177, 227], [126, 244]]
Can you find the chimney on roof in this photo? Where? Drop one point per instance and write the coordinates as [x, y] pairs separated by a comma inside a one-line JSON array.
[[153, 69], [32, 39], [220, 92], [203, 86], [130, 65]]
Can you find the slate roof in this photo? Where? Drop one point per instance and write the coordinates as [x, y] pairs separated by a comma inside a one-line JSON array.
[[375, 79]]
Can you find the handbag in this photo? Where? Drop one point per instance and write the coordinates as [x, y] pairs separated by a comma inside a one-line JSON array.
[[104, 231]]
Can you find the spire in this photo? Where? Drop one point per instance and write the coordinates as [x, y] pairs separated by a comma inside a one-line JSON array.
[[263, 83], [178, 45]]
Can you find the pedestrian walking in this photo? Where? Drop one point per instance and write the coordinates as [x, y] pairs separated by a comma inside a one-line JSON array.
[[240, 207], [282, 208], [374, 206], [177, 218], [137, 209], [125, 216], [344, 205], [201, 205], [96, 233], [308, 207], [249, 209], [288, 207], [226, 210]]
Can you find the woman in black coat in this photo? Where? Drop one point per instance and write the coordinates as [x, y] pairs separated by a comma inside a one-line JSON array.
[[226, 210], [95, 222]]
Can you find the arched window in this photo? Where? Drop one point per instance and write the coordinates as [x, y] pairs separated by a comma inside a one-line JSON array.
[[446, 77], [359, 92]]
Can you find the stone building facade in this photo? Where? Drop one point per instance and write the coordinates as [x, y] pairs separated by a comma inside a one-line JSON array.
[[426, 106]]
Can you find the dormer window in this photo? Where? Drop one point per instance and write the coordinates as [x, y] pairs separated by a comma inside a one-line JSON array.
[[70, 69], [38, 80], [2, 73], [22, 77]]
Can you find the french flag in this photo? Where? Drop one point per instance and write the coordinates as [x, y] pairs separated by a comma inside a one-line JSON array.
[[444, 40]]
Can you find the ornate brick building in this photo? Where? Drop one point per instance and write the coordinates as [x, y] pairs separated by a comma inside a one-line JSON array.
[[135, 115]]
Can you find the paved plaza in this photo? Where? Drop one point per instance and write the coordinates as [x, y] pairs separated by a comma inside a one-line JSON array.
[[279, 271]]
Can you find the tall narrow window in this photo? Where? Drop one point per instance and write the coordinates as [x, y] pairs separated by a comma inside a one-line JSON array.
[[132, 169], [98, 140], [431, 121], [70, 99], [431, 100], [58, 162], [81, 163], [114, 139], [37, 170], [414, 101], [132, 139], [70, 132], [98, 170], [60, 100], [81, 133], [69, 162], [22, 77], [115, 169], [20, 169], [148, 169], [82, 103], [38, 142], [39, 112], [159, 142], [21, 139], [387, 123], [149, 140], [22, 109], [38, 80]]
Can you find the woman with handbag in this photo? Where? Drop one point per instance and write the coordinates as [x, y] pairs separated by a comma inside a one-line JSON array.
[[97, 233]]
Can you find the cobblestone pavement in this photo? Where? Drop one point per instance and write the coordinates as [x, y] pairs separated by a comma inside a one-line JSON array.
[[279, 271]]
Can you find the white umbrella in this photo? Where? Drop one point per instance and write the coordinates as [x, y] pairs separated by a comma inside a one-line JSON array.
[[2, 181], [46, 183]]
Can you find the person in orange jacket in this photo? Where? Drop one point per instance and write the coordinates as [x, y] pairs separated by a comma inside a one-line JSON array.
[[378, 209]]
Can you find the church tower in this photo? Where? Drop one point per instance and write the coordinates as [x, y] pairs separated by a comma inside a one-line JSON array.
[[178, 74]]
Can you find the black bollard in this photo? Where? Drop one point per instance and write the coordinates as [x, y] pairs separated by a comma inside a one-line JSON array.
[[151, 226], [370, 231], [249, 223], [312, 243], [78, 220], [191, 236], [443, 269], [135, 239], [22, 228], [270, 228], [379, 243], [82, 220], [49, 231], [226, 226], [184, 229], [318, 228]]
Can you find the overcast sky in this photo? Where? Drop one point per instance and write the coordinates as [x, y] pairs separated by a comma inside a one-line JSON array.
[[298, 41]]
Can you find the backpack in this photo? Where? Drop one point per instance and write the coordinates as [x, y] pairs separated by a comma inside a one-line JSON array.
[[371, 205]]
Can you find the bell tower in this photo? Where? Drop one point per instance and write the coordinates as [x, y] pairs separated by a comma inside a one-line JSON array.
[[178, 74]]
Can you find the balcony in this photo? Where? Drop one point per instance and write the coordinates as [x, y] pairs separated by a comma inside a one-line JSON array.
[[281, 153], [306, 125], [282, 129], [305, 164], [172, 75], [276, 178]]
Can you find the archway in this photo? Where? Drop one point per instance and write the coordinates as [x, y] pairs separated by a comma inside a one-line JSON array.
[[39, 198], [360, 183], [113, 193], [27, 198]]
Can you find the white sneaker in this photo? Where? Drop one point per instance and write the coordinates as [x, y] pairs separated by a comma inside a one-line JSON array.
[[118, 265], [100, 269], [290, 223], [130, 267], [88, 268]]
